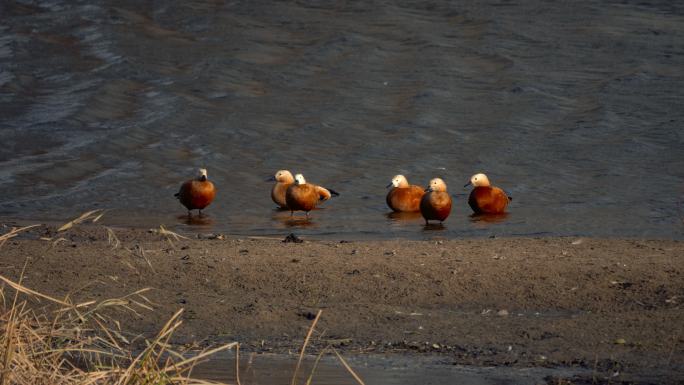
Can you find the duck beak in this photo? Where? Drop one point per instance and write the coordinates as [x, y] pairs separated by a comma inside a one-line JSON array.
[[203, 178], [389, 185], [429, 189], [467, 184], [270, 179]]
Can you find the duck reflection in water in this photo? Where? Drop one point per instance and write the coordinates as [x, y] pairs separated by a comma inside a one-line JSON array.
[[203, 220], [285, 220], [486, 219], [396, 216]]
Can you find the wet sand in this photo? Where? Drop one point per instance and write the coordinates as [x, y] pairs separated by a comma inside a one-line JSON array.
[[605, 304]]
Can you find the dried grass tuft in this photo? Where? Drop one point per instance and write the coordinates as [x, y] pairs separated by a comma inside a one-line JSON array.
[[79, 344], [93, 215], [13, 233]]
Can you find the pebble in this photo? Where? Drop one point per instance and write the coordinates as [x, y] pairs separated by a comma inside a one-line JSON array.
[[292, 238], [502, 313]]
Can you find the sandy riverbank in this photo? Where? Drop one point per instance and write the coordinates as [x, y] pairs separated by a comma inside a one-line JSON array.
[[613, 305]]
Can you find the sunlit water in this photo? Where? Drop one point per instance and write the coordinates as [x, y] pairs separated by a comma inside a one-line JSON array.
[[574, 108]]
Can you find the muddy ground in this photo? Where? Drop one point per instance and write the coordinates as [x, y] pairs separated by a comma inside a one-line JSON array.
[[613, 306]]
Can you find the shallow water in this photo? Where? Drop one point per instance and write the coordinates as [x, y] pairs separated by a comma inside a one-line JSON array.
[[573, 108], [270, 369]]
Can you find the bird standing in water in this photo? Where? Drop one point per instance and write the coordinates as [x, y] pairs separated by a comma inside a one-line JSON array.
[[436, 203], [198, 193], [302, 196], [485, 198]]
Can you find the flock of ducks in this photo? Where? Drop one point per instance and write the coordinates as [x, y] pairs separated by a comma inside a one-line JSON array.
[[295, 194]]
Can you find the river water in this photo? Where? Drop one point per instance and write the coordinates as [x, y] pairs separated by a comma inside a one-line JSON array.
[[574, 108], [274, 369]]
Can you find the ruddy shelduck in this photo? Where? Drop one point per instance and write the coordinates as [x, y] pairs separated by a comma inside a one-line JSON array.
[[302, 196], [404, 197], [196, 194], [436, 203], [485, 198], [283, 179]]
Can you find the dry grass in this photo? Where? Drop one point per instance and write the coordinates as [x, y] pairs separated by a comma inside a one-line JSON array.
[[93, 216], [320, 355], [13, 233], [170, 235], [75, 343]]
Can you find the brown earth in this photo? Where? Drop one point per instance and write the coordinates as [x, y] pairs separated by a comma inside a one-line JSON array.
[[604, 304]]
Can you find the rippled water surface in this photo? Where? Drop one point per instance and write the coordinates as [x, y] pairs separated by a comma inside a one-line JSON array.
[[575, 108]]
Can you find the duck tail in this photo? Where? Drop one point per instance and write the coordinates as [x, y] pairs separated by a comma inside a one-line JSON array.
[[334, 193], [177, 195]]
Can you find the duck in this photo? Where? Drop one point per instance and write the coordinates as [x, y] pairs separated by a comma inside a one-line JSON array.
[[436, 203], [485, 198], [302, 196], [404, 197], [197, 193], [283, 179]]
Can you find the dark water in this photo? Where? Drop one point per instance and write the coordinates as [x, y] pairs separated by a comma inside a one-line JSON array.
[[575, 108], [376, 369]]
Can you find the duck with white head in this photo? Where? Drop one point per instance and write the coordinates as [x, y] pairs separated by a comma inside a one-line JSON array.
[[436, 203], [404, 197], [197, 193], [485, 198], [283, 179], [303, 196]]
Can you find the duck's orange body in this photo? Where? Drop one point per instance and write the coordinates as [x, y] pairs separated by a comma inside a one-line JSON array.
[[488, 200], [435, 205], [302, 196], [278, 194], [405, 199], [196, 195]]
